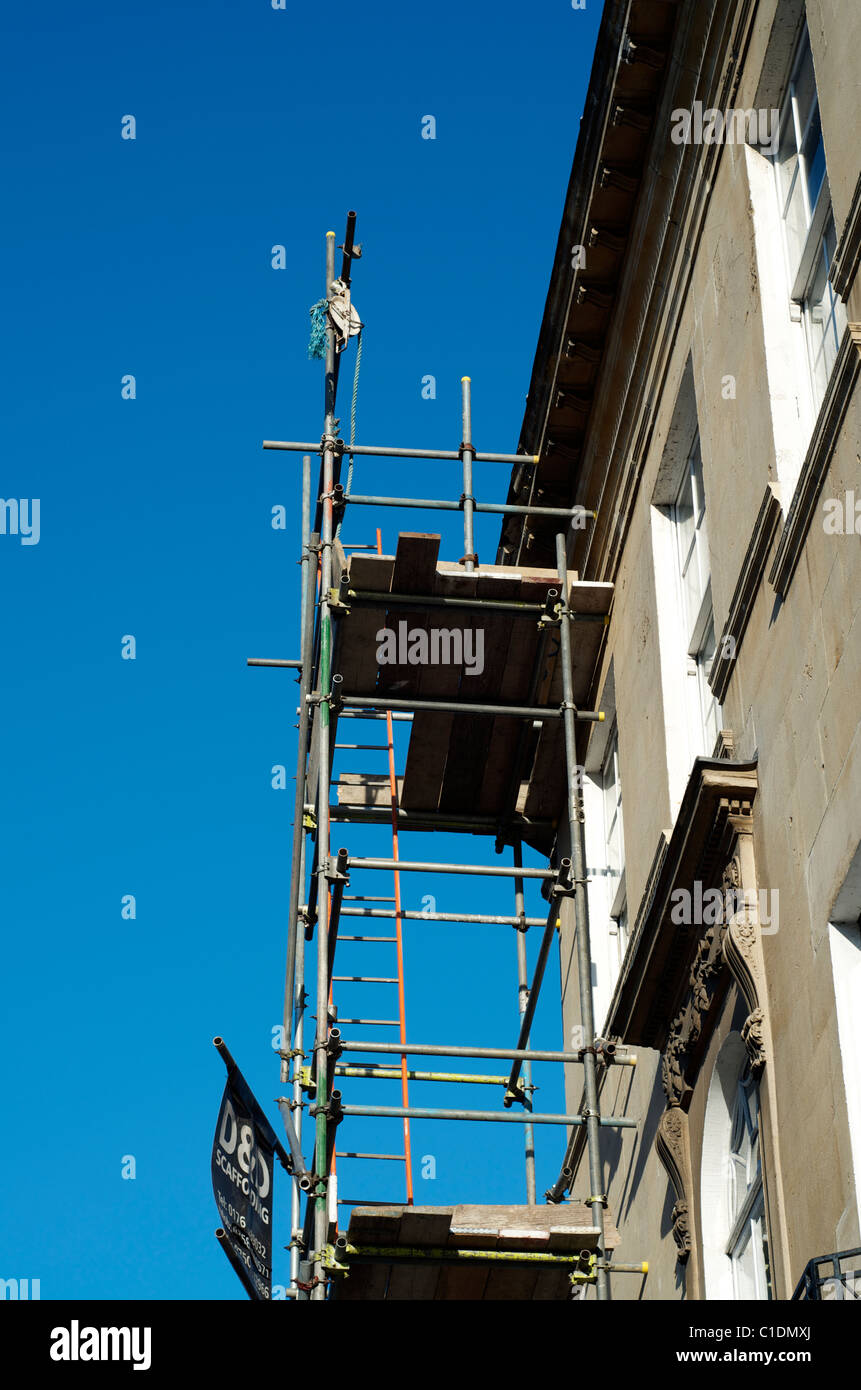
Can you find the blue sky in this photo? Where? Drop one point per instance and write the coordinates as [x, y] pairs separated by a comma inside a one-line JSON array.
[[254, 127]]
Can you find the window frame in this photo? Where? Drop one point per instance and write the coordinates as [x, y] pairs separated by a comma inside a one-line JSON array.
[[696, 626], [747, 1223], [613, 826], [819, 217]]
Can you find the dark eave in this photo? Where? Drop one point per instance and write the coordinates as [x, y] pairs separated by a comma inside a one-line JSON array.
[[609, 163]]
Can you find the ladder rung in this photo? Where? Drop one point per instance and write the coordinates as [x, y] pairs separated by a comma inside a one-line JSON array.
[[382, 1022], [363, 898], [366, 979], [367, 1202], [400, 1158], [366, 747], [366, 938]]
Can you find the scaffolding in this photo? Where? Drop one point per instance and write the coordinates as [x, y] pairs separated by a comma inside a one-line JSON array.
[[342, 598]]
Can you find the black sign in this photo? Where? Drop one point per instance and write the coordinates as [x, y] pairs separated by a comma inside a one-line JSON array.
[[242, 1180]]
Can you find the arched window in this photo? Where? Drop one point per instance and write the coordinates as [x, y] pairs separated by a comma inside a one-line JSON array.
[[747, 1245], [735, 1236]]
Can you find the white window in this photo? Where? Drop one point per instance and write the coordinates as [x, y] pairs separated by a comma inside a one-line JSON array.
[[605, 852], [809, 235], [698, 629], [736, 1261], [747, 1247], [845, 941], [611, 789]]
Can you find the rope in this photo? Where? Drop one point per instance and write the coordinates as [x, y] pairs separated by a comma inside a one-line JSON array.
[[319, 315], [353, 404]]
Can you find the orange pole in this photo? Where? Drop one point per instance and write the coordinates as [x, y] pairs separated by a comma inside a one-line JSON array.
[[402, 1016]]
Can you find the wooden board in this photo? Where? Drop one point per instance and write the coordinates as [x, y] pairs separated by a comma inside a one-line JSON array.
[[546, 1228], [457, 762]]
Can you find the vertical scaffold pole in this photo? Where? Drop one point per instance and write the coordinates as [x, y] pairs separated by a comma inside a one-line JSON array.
[[581, 924], [294, 985], [467, 454], [522, 1001], [322, 729], [296, 1253], [297, 882]]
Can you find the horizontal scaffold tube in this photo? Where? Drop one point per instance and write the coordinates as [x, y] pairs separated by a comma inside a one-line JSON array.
[[481, 870], [399, 1112], [467, 917], [536, 712], [346, 814], [386, 451], [433, 504], [385, 1254], [624, 1059], [372, 598], [381, 1073]]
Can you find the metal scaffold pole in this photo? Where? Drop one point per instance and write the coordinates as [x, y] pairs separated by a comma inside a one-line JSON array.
[[297, 883], [321, 1173], [522, 1000], [596, 1199], [469, 556]]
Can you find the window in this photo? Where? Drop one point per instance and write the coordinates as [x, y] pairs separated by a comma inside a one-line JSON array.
[[845, 941], [747, 1246], [689, 518], [736, 1259], [611, 789], [809, 235]]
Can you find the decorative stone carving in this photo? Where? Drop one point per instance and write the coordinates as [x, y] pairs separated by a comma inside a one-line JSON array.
[[672, 1061], [673, 1147], [741, 952], [753, 1037], [681, 1230]]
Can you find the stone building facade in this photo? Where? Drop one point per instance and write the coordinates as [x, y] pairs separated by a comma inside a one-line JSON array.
[[696, 382]]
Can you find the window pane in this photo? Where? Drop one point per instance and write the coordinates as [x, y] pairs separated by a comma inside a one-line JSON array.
[[814, 158], [787, 156], [825, 316], [796, 224], [684, 518], [804, 86], [695, 462], [744, 1272]]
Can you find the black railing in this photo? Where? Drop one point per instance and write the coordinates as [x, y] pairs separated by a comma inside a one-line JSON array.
[[829, 1277]]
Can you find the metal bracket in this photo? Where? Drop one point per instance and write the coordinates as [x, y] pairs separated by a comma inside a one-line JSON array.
[[563, 886], [328, 1259], [332, 1110], [336, 868], [550, 616], [335, 446]]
